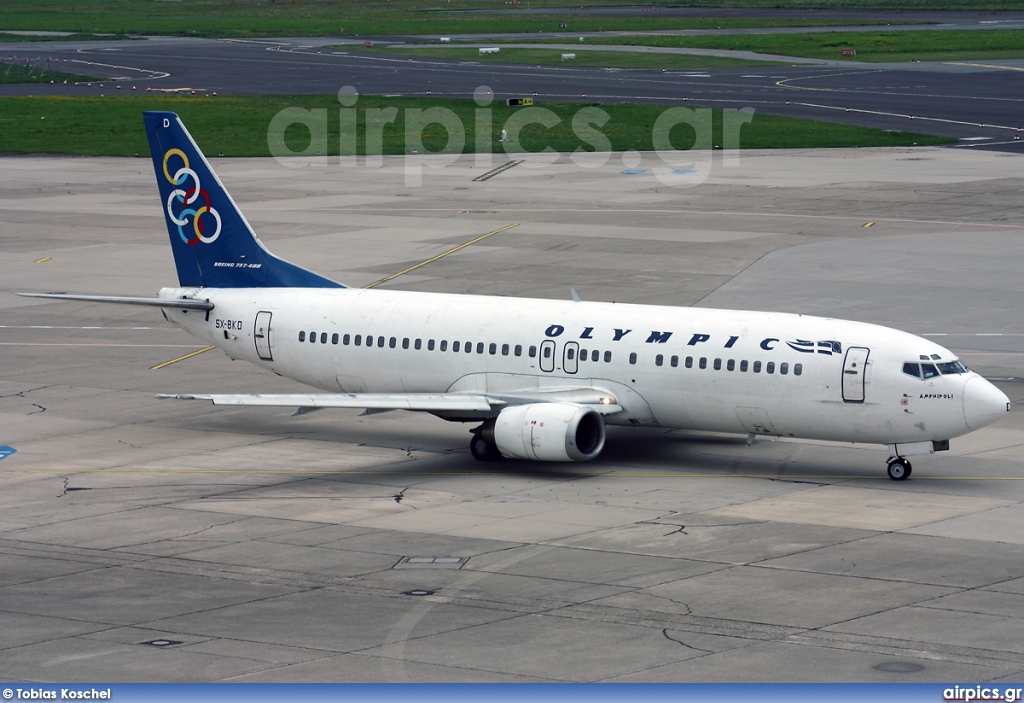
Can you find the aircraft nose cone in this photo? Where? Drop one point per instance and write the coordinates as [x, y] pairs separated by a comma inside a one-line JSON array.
[[983, 403]]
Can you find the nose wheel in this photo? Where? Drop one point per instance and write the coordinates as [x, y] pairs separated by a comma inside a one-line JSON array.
[[898, 468]]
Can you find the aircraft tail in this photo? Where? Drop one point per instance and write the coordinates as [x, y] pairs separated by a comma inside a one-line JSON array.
[[213, 244]]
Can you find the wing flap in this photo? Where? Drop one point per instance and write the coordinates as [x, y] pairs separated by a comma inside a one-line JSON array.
[[601, 401]]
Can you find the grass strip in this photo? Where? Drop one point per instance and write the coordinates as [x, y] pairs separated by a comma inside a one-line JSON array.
[[22, 73], [77, 36], [266, 18], [238, 126], [925, 45]]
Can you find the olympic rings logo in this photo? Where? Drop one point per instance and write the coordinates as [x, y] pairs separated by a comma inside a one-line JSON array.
[[186, 199]]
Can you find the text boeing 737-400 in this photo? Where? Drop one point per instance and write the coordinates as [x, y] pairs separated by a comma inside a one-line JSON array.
[[542, 378]]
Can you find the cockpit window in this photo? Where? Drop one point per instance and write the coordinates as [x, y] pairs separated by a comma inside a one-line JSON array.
[[952, 367], [946, 368], [912, 369]]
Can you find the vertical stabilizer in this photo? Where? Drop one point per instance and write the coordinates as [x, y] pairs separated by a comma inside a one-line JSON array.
[[213, 244]]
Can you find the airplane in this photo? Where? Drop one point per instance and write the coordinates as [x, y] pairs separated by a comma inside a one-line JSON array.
[[541, 379]]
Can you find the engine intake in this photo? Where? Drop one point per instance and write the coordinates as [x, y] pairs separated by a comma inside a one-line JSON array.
[[549, 432]]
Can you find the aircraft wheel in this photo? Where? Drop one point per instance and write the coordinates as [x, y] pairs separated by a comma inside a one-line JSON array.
[[899, 469], [482, 450]]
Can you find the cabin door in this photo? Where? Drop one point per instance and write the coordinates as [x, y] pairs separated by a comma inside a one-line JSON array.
[[261, 334], [547, 355], [855, 374]]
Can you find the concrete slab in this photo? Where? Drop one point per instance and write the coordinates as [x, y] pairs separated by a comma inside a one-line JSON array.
[[920, 559], [785, 598], [859, 508]]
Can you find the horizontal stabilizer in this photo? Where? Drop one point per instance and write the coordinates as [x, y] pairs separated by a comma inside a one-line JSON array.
[[182, 303]]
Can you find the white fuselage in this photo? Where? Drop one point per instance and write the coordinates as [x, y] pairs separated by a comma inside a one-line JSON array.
[[703, 369]]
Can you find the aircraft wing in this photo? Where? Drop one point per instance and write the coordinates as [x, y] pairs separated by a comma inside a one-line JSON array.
[[603, 402], [368, 401]]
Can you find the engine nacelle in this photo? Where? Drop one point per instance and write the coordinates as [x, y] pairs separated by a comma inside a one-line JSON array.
[[549, 432]]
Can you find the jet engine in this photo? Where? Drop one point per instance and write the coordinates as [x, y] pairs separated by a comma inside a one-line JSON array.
[[549, 432]]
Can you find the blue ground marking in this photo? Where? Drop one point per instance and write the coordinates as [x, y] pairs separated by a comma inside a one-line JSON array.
[[633, 171], [681, 171], [6, 451]]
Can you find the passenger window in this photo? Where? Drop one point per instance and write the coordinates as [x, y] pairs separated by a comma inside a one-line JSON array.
[[674, 361], [444, 345], [718, 364], [418, 344], [798, 369], [659, 360], [518, 351], [334, 338], [468, 347], [689, 362], [632, 357], [380, 341], [405, 343], [456, 346], [570, 353], [783, 368], [302, 336], [359, 339], [430, 345], [607, 357], [547, 352], [584, 354], [492, 349], [770, 368], [757, 367], [533, 352], [504, 350], [703, 363], [480, 348], [312, 337], [323, 338], [929, 370], [730, 365], [346, 339], [743, 366], [393, 342]]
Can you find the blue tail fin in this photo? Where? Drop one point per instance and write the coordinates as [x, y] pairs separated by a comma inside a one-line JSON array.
[[213, 244]]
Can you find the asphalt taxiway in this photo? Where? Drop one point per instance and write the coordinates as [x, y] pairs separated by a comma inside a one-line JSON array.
[[154, 540], [979, 101]]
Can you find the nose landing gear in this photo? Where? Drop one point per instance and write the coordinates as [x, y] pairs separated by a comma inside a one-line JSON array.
[[898, 468]]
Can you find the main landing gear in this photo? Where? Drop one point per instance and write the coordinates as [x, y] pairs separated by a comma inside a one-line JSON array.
[[898, 468], [482, 446]]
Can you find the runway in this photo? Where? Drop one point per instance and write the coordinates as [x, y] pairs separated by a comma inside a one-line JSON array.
[[979, 101], [147, 540]]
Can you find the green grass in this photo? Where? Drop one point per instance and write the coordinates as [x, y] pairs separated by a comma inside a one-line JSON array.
[[261, 18], [553, 57], [238, 126], [78, 36], [952, 45], [20, 73]]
